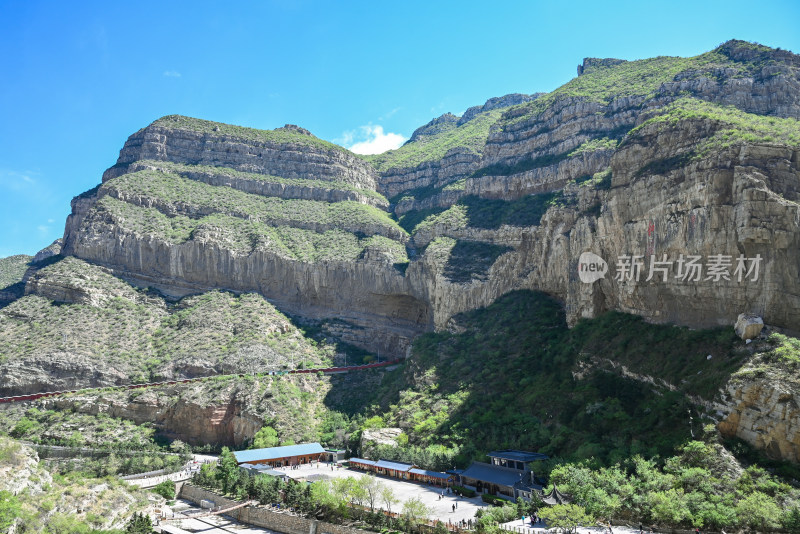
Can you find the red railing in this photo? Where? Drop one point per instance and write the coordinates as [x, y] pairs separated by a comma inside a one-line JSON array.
[[324, 370]]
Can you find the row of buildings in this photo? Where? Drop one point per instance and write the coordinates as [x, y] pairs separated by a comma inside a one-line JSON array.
[[508, 474], [403, 471]]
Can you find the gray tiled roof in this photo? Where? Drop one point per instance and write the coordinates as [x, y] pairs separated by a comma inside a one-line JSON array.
[[519, 456], [493, 475], [435, 474], [397, 466], [361, 461]]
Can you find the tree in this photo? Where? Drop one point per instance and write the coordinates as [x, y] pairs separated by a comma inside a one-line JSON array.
[[388, 497], [758, 511], [206, 477], [266, 437], [358, 491], [668, 506], [139, 524], [166, 489], [227, 469], [415, 511], [791, 520], [323, 496], [565, 516], [371, 486], [180, 447]]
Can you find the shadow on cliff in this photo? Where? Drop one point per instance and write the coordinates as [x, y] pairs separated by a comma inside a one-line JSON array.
[[517, 377]]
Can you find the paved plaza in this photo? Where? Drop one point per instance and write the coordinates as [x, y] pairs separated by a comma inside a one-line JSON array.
[[430, 495]]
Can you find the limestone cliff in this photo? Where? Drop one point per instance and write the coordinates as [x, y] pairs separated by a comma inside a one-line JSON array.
[[651, 161], [192, 205], [759, 404]]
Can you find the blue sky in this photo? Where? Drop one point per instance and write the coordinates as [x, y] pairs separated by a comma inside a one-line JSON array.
[[77, 78]]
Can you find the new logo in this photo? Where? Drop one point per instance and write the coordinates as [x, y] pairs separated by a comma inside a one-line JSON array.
[[591, 267]]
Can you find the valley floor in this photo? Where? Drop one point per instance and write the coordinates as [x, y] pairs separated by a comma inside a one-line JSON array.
[[404, 491]]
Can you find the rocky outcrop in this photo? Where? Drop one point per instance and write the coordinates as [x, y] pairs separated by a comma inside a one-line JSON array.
[[663, 200], [435, 126], [167, 140], [456, 164], [380, 436], [59, 371], [760, 406], [539, 180], [363, 292], [48, 252], [591, 62], [497, 102], [190, 420], [211, 412], [19, 469]]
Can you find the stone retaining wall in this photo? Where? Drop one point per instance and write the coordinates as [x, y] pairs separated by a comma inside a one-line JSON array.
[[262, 517]]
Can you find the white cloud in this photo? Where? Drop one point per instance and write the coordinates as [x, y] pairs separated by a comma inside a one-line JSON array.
[[172, 74], [16, 181], [372, 140], [43, 229]]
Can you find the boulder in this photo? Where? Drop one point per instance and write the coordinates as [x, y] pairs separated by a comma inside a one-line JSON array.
[[748, 325], [381, 436]]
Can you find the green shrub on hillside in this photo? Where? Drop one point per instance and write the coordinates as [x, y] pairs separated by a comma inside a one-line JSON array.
[[245, 236], [12, 268], [699, 487], [507, 381], [251, 134], [186, 170], [640, 78], [470, 136], [190, 197], [166, 489]]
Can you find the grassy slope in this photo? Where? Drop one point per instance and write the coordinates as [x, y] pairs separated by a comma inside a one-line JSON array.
[[641, 78], [75, 503], [470, 136], [737, 126], [250, 134], [193, 195], [507, 382], [245, 236], [139, 334], [183, 169], [12, 268], [475, 212]]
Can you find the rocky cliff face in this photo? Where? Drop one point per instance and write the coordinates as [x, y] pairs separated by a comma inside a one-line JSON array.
[[759, 405], [225, 413], [650, 162], [289, 152], [739, 196]]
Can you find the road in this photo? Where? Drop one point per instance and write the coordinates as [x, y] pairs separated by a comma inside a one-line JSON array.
[[189, 469]]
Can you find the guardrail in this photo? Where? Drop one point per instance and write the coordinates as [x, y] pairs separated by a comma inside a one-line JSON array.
[[324, 370]]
